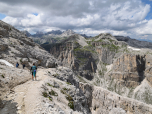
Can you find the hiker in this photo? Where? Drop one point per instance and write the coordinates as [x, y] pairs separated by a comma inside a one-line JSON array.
[[33, 69], [17, 65], [23, 65]]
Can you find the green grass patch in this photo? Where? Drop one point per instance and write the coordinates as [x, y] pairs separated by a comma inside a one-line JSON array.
[[71, 104], [69, 98], [55, 75], [82, 59], [68, 83], [21, 61], [84, 49], [53, 93], [50, 98], [112, 47], [66, 89], [62, 91], [50, 85], [44, 94], [2, 76]]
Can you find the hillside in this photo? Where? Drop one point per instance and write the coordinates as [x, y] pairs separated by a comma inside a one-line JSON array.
[[16, 47], [104, 61]]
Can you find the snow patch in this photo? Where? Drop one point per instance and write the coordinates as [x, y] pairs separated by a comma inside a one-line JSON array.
[[136, 49], [6, 62]]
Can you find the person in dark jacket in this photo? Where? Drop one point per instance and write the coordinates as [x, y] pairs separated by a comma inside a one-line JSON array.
[[23, 65], [33, 69], [17, 65]]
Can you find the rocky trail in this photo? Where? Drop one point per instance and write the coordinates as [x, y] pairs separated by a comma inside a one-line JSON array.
[[26, 95], [27, 98]]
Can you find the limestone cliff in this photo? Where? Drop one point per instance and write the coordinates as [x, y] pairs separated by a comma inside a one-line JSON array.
[[106, 62]]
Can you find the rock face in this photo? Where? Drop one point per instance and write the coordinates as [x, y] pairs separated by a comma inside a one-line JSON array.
[[129, 69], [100, 100], [83, 55], [96, 100], [106, 62], [104, 101], [16, 47], [148, 70], [72, 53]]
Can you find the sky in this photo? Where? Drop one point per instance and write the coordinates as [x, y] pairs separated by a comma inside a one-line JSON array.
[[131, 18]]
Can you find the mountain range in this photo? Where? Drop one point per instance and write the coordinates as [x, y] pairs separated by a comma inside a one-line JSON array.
[[104, 74]]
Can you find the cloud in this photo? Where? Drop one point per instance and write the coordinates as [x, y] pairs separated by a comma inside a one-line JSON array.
[[145, 29], [90, 16]]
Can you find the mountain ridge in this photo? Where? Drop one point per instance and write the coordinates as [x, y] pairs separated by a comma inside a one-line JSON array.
[[89, 76]]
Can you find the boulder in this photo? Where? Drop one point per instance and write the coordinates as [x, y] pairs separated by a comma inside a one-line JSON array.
[[3, 32], [3, 47], [51, 64]]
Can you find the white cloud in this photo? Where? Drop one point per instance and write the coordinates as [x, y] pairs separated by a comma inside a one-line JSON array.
[[145, 29]]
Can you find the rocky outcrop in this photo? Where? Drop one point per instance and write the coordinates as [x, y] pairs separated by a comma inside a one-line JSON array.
[[74, 52], [3, 47], [100, 100], [15, 46], [105, 55], [129, 69], [11, 77], [104, 101], [3, 33]]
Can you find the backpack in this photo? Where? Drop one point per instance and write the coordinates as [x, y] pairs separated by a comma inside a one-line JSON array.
[[33, 68]]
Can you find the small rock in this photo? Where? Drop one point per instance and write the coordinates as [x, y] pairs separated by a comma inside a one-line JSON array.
[[56, 85], [61, 112], [51, 105]]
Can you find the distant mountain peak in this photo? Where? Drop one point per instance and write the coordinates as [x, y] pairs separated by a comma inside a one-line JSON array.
[[68, 32], [26, 33], [39, 32]]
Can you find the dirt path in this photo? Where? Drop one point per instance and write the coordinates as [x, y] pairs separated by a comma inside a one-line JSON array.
[[26, 96]]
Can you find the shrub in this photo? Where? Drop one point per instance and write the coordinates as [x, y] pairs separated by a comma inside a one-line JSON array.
[[71, 104], [3, 76], [55, 75], [50, 98], [68, 83], [52, 92], [49, 85], [44, 94], [69, 98]]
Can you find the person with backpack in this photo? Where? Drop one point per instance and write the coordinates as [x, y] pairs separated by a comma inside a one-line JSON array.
[[17, 65], [33, 69]]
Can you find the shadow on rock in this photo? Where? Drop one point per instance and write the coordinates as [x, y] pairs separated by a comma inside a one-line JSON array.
[[8, 107]]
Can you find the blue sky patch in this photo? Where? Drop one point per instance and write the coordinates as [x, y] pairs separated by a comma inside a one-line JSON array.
[[149, 15], [2, 16], [35, 14]]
